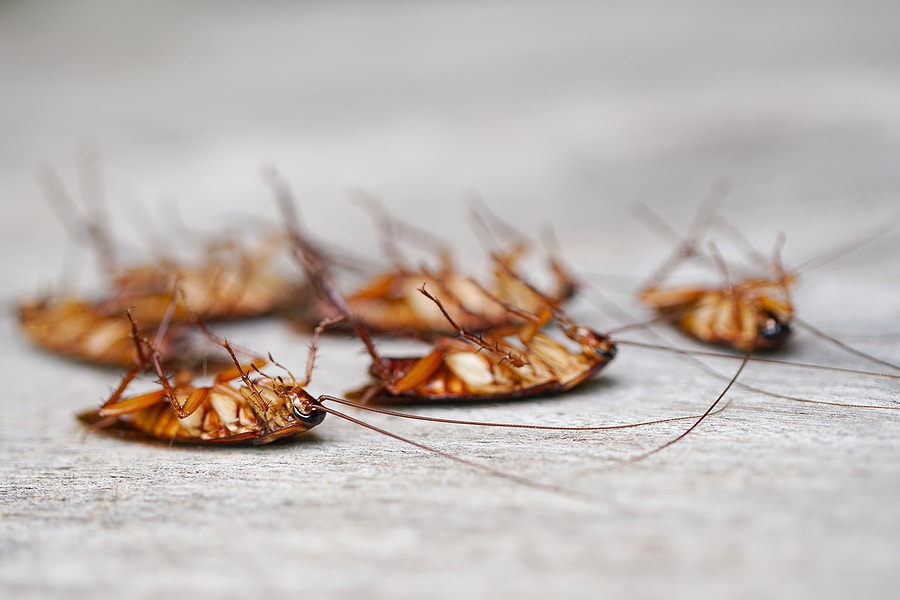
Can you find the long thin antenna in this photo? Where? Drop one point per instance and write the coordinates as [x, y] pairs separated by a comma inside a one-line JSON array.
[[484, 468], [687, 246], [855, 244], [415, 417], [702, 417]]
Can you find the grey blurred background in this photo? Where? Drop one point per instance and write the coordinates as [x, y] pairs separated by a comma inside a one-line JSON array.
[[559, 113], [567, 109]]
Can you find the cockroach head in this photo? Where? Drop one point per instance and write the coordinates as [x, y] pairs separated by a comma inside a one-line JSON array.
[[599, 343], [305, 407], [772, 333]]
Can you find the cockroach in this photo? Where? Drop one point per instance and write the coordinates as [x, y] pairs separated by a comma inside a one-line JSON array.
[[755, 313], [93, 333], [232, 281], [693, 356], [259, 410], [232, 278], [389, 303], [74, 328], [490, 366]]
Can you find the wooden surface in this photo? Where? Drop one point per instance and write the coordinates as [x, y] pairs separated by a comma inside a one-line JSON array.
[[563, 115]]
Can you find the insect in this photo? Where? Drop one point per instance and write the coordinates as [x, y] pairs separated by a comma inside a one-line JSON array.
[[753, 313], [490, 366], [232, 277], [259, 410], [233, 280], [81, 330], [389, 303]]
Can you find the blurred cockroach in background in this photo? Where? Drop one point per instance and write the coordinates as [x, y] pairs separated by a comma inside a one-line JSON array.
[[744, 313], [389, 303], [234, 278]]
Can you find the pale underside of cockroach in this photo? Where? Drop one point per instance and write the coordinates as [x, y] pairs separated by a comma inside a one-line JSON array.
[[241, 405], [752, 315], [233, 279], [87, 331], [390, 304]]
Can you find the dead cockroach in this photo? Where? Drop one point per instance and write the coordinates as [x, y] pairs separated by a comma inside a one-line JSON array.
[[754, 313], [233, 278], [96, 334], [85, 331], [232, 281], [490, 366], [390, 303], [260, 410]]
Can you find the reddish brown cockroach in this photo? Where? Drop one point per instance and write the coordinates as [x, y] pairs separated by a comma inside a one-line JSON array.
[[390, 303], [755, 313], [490, 366], [84, 331], [232, 281], [260, 410]]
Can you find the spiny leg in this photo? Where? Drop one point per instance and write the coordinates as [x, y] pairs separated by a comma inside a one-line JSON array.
[[507, 352], [687, 245]]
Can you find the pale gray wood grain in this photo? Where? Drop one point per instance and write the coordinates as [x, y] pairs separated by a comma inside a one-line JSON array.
[[561, 114]]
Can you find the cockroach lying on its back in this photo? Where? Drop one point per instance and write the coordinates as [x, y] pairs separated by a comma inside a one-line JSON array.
[[390, 303], [85, 331], [259, 410], [232, 280], [491, 366], [753, 313]]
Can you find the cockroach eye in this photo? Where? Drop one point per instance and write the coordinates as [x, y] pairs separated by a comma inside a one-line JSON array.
[[773, 328], [609, 353], [311, 418]]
